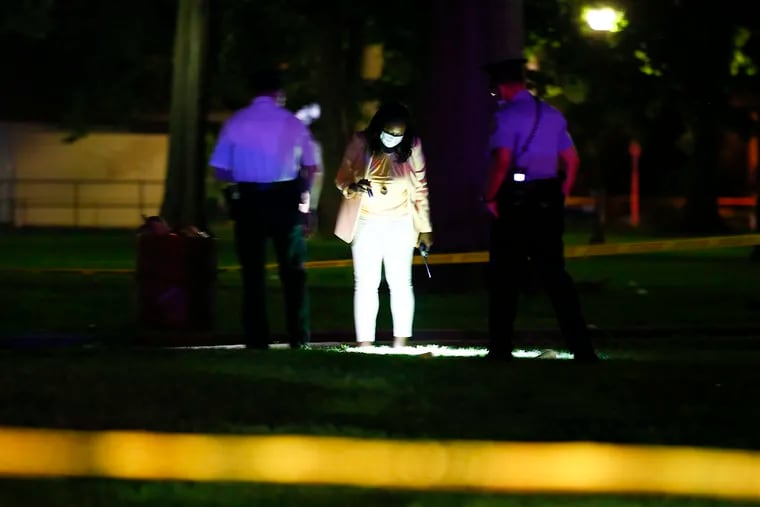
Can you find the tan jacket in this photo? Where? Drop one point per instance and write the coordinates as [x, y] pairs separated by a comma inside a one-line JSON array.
[[354, 167]]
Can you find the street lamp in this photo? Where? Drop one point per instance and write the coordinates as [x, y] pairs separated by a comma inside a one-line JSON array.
[[608, 20], [604, 19]]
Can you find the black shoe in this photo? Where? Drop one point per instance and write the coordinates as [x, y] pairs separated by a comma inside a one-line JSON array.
[[586, 357], [499, 356], [257, 346]]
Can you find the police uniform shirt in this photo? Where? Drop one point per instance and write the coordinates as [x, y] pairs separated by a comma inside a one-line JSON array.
[[514, 123], [262, 143]]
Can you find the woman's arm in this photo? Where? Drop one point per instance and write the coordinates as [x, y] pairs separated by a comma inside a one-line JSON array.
[[420, 188], [351, 166]]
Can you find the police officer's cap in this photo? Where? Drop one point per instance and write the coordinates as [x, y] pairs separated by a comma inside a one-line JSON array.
[[509, 70], [266, 79]]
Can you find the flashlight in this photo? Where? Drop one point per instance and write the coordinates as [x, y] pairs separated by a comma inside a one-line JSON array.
[[365, 185], [424, 253]]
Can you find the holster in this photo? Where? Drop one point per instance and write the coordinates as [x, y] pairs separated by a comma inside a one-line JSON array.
[[535, 193]]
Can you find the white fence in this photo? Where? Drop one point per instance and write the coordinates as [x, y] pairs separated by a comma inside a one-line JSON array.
[[78, 202]]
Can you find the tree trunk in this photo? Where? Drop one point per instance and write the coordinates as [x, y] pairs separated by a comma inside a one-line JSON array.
[[184, 194], [706, 104], [598, 190], [755, 253], [465, 36], [701, 210], [338, 80]]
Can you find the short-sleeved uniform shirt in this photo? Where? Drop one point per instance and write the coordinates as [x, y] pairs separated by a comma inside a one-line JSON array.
[[514, 123], [263, 143]]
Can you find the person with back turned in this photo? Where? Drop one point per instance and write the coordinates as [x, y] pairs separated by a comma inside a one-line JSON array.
[[268, 154], [532, 168]]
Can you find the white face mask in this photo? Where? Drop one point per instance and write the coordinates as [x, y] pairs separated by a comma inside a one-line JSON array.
[[389, 140]]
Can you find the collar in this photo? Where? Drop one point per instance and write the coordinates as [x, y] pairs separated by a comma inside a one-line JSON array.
[[521, 96], [264, 99]]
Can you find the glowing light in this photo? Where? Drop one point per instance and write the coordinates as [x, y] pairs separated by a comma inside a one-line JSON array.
[[604, 19]]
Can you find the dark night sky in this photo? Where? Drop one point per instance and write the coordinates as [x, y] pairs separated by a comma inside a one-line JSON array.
[[94, 57]]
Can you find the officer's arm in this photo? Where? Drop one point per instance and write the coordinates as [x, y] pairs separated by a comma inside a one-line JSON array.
[[308, 158], [570, 162], [308, 200], [500, 160], [222, 156], [317, 177], [307, 174]]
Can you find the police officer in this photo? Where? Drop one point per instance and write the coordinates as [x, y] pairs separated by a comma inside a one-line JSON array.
[[269, 153], [532, 169]]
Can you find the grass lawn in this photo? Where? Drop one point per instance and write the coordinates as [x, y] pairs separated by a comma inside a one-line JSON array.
[[116, 248], [684, 289], [680, 398], [80, 493], [684, 389]]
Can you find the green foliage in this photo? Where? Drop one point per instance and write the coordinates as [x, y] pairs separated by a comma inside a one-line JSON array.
[[646, 64], [111, 63], [666, 78], [742, 63]]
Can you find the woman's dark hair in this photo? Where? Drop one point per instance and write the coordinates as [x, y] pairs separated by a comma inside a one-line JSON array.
[[389, 113]]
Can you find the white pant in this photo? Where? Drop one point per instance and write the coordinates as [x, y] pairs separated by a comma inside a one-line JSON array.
[[382, 241]]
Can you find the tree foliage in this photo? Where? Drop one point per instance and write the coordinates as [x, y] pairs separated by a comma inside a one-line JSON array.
[[666, 79], [671, 78]]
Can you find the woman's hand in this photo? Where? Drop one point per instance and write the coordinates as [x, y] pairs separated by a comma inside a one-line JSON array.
[[362, 185], [425, 238], [350, 191]]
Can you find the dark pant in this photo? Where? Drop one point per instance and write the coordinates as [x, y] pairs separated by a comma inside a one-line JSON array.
[[271, 211], [527, 237]]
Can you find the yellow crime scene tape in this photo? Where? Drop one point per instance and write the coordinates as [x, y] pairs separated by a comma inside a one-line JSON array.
[[501, 467], [571, 251]]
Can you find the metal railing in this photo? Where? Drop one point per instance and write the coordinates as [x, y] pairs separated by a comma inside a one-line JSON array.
[[17, 196]]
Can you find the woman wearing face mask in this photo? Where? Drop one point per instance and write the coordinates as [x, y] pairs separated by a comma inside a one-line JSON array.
[[384, 215]]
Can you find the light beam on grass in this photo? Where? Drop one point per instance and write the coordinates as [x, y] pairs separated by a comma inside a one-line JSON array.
[[412, 350], [581, 467], [442, 351]]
